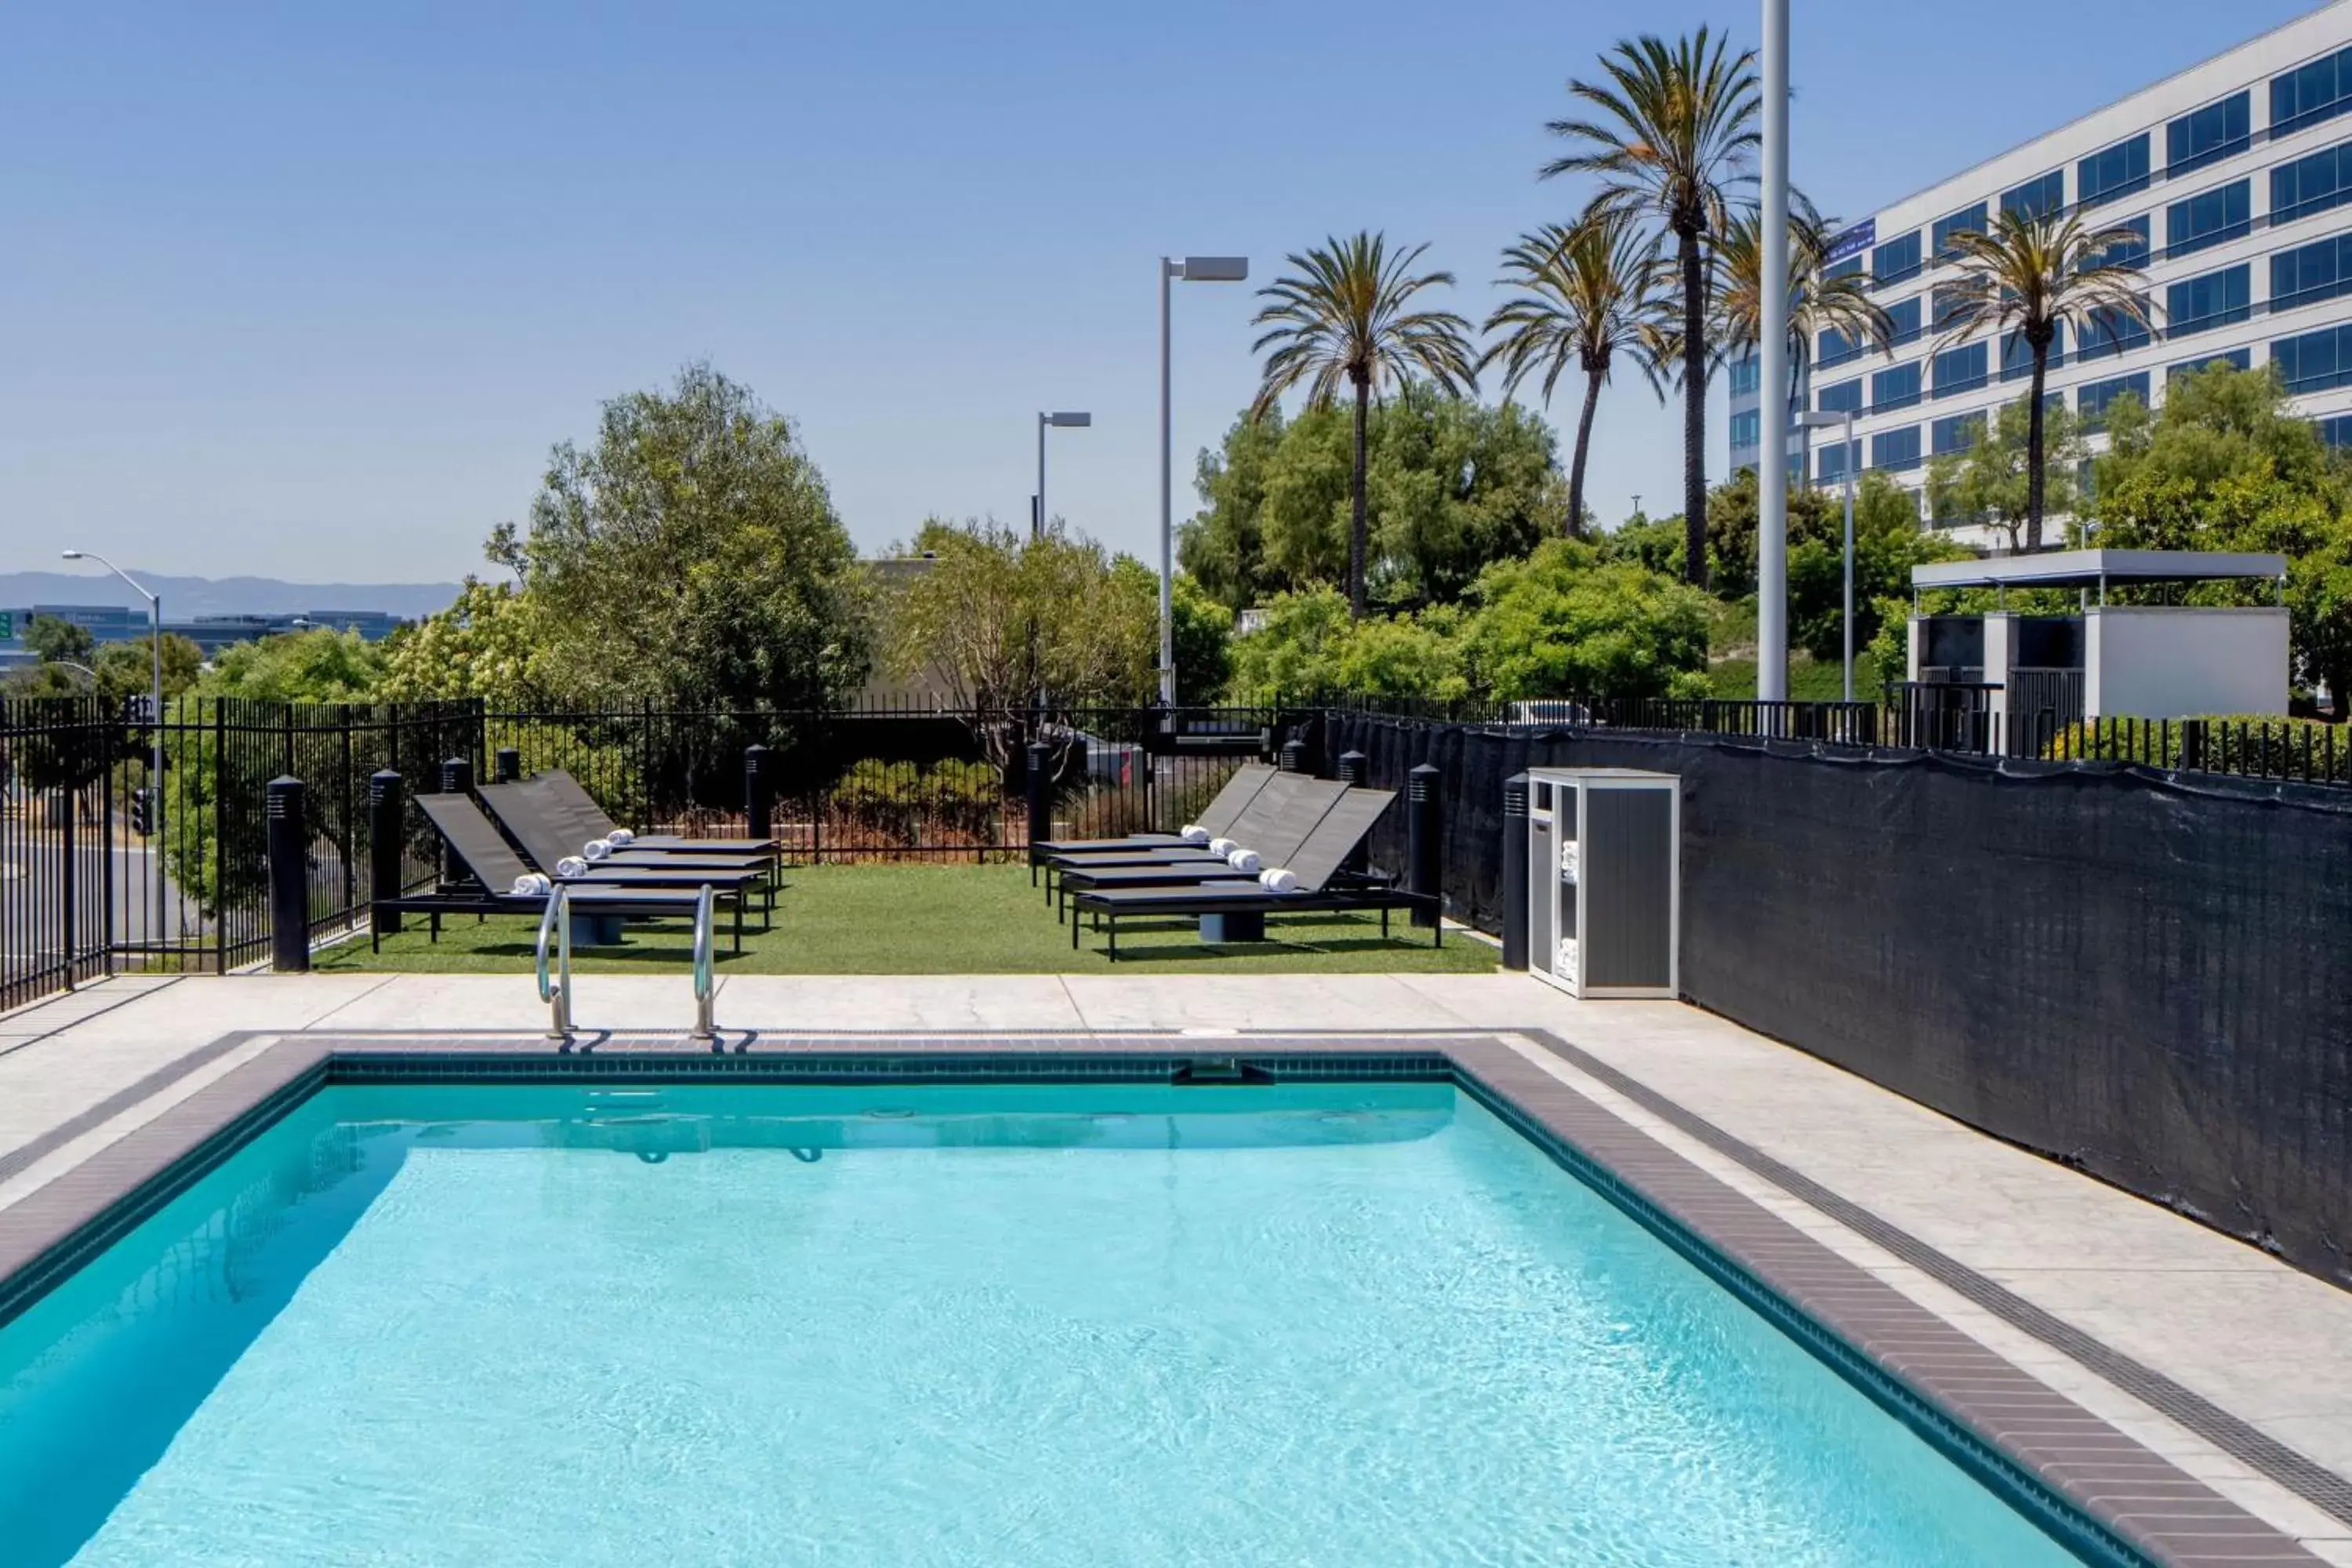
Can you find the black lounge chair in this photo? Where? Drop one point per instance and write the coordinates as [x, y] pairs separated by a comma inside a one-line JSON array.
[[1283, 812], [1277, 838], [493, 869], [1234, 911], [577, 810], [1216, 816], [526, 821]]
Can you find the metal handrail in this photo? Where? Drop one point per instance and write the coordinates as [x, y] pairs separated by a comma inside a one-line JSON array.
[[555, 927], [706, 1030]]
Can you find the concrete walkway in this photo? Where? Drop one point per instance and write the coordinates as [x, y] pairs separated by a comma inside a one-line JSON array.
[[2082, 1285]]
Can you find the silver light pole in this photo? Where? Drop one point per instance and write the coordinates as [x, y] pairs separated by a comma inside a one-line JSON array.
[[1812, 421], [1191, 269], [1059, 422], [1772, 509], [155, 775]]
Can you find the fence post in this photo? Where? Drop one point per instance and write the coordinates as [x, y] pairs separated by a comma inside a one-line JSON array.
[[1353, 768], [386, 836], [1515, 871], [1425, 840], [1040, 791], [759, 793], [508, 765], [290, 879], [68, 916]]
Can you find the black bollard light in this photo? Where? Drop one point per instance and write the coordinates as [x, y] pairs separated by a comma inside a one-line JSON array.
[[1040, 791], [1425, 841], [289, 878], [1515, 871], [386, 832], [508, 765], [456, 778], [1294, 756], [759, 793], [1354, 768]]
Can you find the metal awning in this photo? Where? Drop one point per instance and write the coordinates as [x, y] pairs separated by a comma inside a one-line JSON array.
[[2096, 569]]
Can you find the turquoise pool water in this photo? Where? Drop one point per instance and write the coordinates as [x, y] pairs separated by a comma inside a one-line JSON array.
[[1040, 1326]]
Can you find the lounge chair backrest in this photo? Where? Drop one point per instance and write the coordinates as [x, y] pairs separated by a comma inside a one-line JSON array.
[[1241, 789], [474, 839], [534, 822], [1343, 828], [1253, 819], [570, 805], [1280, 832]]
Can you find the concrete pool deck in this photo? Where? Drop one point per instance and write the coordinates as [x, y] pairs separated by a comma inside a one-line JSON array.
[[2221, 1359]]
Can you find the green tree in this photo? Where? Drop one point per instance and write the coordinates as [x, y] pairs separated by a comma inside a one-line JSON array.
[[1996, 480], [1344, 314], [1202, 632], [1589, 292], [127, 669], [1673, 132], [2028, 276], [490, 643], [54, 640], [1888, 542], [317, 666], [1312, 650], [691, 556], [1565, 622]]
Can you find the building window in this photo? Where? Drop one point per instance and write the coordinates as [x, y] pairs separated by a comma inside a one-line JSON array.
[[2108, 331], [1895, 449], [1746, 376], [2117, 171], [2127, 252], [1851, 267], [1837, 459], [2309, 94], [2315, 361], [2311, 184], [2091, 401], [1957, 434], [1834, 349], [1845, 397], [2311, 272], [2036, 198], [1961, 369], [2209, 218], [2017, 354], [1945, 306], [1746, 429], [1971, 220], [1897, 388], [1903, 323], [2336, 432], [2237, 359], [2215, 300], [1896, 260], [2211, 133]]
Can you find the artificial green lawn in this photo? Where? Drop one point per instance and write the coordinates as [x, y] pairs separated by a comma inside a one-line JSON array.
[[932, 919]]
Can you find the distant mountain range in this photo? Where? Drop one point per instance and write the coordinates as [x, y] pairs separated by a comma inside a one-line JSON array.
[[187, 597]]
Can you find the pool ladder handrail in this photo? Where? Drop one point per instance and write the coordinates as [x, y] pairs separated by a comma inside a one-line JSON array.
[[706, 986], [555, 929]]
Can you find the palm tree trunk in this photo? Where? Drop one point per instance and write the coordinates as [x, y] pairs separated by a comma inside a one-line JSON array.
[[1592, 379], [1694, 409], [1356, 527], [2034, 416]]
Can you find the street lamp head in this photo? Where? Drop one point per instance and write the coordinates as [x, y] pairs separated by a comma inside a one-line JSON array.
[[1812, 421], [1213, 269], [73, 554], [1069, 421]]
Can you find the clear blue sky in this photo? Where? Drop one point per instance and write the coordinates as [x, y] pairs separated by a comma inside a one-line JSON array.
[[309, 290]]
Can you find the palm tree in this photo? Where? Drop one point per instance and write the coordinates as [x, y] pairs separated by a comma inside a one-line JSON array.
[[1817, 302], [1675, 137], [2028, 276], [1343, 315], [1591, 291]]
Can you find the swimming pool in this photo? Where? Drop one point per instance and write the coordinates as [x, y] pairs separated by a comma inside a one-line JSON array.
[[1350, 1323]]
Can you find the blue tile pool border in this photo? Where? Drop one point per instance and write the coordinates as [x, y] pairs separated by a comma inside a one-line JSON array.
[[2099, 1492]]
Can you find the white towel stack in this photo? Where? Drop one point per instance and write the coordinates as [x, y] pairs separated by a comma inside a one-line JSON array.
[[619, 838], [1246, 861], [596, 848], [571, 866], [1221, 846], [531, 885], [1280, 880], [1193, 832]]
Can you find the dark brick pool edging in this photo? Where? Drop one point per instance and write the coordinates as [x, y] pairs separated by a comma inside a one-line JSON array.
[[2087, 1482]]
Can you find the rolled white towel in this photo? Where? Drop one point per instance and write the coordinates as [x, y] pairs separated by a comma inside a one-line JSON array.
[[596, 848], [619, 837], [571, 866], [1278, 879], [1221, 846], [1246, 861], [531, 885], [1193, 832]]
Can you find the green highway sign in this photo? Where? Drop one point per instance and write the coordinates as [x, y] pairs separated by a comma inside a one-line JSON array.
[[7, 626]]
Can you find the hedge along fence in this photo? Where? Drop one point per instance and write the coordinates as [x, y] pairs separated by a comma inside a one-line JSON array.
[[2146, 978]]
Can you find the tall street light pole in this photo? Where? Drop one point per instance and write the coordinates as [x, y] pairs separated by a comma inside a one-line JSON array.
[[156, 774], [1059, 422], [1191, 269], [1812, 421], [1772, 509]]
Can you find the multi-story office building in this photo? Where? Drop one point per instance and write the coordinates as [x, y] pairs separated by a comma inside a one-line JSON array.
[[112, 623], [2236, 177]]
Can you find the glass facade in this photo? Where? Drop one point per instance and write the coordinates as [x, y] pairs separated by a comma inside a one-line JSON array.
[[1896, 260], [1961, 369], [1967, 218], [2243, 358], [2312, 185], [2117, 171], [1903, 321], [2127, 252], [2092, 401], [1896, 449], [1943, 307], [1897, 388], [2311, 272], [1851, 267], [2037, 197], [2208, 135], [2213, 299], [1845, 397], [1833, 461], [2017, 354], [1957, 434], [1745, 375], [2109, 331], [1833, 348], [2208, 217], [1746, 429], [2336, 432], [2315, 361], [2309, 94]]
